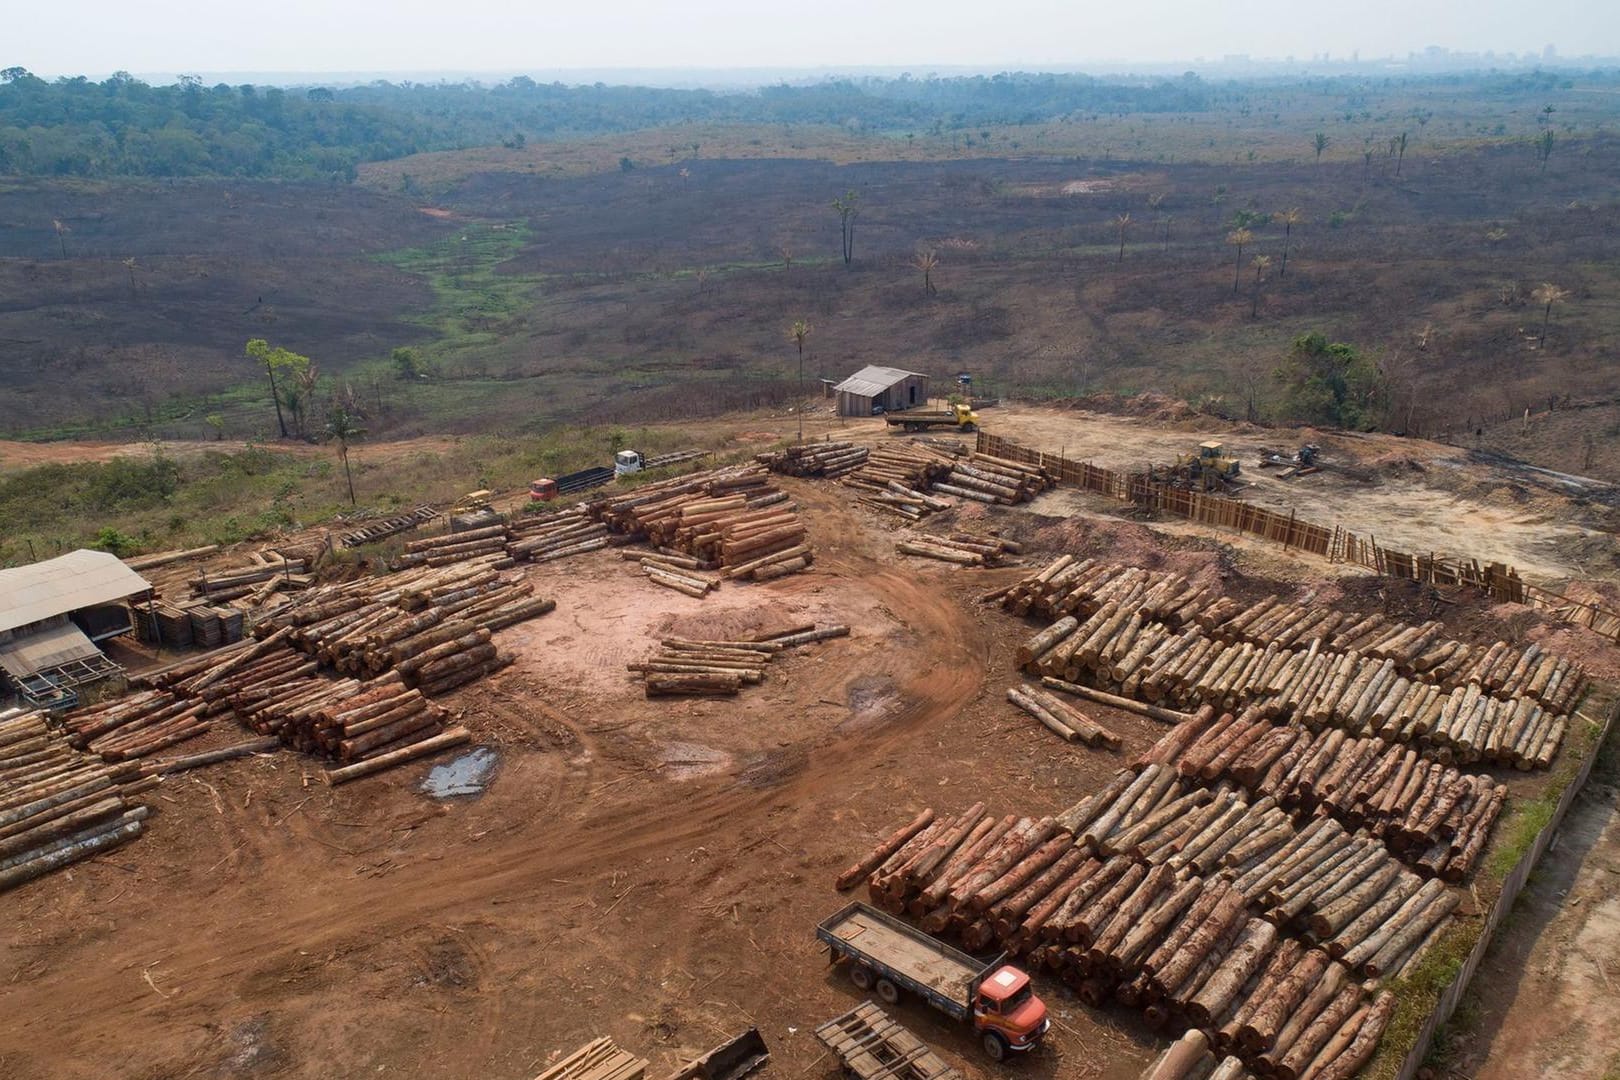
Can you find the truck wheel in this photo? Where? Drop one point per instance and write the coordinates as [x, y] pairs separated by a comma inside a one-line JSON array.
[[861, 976], [970, 427], [887, 991], [995, 1047]]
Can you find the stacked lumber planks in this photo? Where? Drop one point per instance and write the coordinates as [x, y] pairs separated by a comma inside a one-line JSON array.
[[871, 1045], [598, 1059], [1122, 896], [987, 479], [695, 668], [58, 805], [374, 531], [826, 459], [961, 548], [733, 518]]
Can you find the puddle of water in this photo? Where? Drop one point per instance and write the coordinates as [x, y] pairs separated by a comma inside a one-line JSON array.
[[466, 775]]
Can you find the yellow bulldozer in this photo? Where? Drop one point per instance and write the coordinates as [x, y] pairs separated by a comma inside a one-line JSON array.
[[1210, 469]]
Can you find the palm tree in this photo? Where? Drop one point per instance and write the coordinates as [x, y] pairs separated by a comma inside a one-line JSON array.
[[1122, 223], [1260, 263], [1400, 151], [61, 231], [848, 211], [340, 425], [798, 332], [1289, 218], [129, 264], [1544, 147], [925, 261], [1320, 143], [1547, 294], [1238, 238], [1167, 219]]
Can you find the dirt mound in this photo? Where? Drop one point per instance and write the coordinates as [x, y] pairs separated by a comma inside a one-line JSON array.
[[1395, 463]]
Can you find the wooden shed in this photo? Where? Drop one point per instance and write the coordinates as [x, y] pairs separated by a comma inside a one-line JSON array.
[[886, 388]]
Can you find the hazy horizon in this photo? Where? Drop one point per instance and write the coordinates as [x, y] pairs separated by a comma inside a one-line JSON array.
[[410, 38]]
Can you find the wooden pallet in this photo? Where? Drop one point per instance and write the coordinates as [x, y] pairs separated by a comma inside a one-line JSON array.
[[598, 1059], [872, 1046], [382, 530]]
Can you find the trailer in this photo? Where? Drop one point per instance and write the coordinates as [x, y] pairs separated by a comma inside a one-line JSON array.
[[887, 956], [960, 417], [872, 1046]]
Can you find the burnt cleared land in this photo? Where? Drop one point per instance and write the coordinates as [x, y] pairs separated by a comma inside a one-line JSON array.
[[663, 292]]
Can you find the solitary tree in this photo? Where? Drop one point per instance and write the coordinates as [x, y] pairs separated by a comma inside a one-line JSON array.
[[1547, 294], [1320, 143], [1260, 263], [129, 264], [1238, 238], [787, 256], [926, 262], [1399, 142], [848, 211], [1289, 218], [274, 358], [1544, 147], [61, 234], [798, 332], [340, 425], [1122, 223]]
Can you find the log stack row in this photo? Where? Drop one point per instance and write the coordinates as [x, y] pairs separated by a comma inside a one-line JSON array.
[[1062, 719], [1157, 936], [1432, 815], [720, 668], [58, 805], [136, 725], [912, 465], [904, 502], [825, 459], [732, 518], [987, 479], [1146, 639], [1419, 653], [962, 548], [555, 536], [487, 543]]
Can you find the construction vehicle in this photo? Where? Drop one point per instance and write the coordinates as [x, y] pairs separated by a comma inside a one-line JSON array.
[[957, 415], [887, 956], [1210, 468], [473, 511], [731, 1060], [1305, 461]]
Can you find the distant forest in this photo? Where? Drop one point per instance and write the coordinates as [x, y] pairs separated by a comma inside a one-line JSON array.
[[125, 127]]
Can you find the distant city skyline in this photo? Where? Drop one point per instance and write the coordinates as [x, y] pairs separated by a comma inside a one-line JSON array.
[[310, 38]]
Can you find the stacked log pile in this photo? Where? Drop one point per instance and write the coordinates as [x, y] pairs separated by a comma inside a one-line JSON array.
[[826, 459], [1063, 719], [555, 536], [487, 543], [987, 479], [732, 518], [265, 572], [902, 501], [962, 548], [135, 726], [1157, 638], [1160, 935], [1432, 815], [58, 805], [913, 466], [684, 667]]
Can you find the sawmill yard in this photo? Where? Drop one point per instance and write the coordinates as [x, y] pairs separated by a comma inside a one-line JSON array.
[[652, 867]]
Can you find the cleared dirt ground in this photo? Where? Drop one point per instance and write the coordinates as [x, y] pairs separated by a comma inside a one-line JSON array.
[[644, 870]]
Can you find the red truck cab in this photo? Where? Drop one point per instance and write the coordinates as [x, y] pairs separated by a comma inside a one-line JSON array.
[[543, 490], [1007, 1014]]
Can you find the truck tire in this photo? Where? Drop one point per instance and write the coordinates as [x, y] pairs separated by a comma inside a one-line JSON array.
[[861, 976], [914, 427], [887, 992], [995, 1047], [970, 427]]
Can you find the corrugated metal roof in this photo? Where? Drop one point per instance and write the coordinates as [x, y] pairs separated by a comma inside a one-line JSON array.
[[46, 649], [63, 584], [871, 381]]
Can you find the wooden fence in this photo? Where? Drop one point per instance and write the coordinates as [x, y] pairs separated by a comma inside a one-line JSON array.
[[1335, 543]]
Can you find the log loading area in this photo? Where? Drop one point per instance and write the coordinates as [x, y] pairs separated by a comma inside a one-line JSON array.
[[1237, 812]]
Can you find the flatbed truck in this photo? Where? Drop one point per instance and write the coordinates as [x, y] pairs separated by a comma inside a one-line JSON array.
[[960, 417], [888, 956]]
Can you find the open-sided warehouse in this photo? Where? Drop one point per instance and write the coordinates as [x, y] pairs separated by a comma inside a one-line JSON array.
[[52, 613]]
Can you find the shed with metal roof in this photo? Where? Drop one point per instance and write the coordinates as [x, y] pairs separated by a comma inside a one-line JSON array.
[[887, 389], [52, 612]]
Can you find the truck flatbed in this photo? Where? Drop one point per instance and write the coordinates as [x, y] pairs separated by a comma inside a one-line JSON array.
[[921, 958], [872, 1046]]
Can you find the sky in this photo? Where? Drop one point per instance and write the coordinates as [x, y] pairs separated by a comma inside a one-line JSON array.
[[97, 37]]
